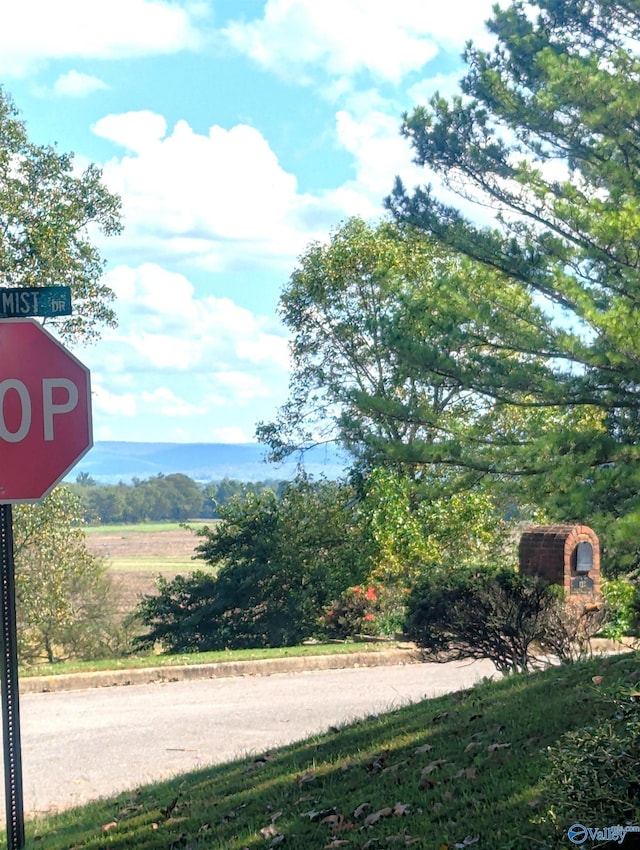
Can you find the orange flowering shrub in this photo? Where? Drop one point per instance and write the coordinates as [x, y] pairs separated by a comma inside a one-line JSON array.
[[371, 610]]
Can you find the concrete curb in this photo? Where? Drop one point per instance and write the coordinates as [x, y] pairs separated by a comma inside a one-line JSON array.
[[265, 667]]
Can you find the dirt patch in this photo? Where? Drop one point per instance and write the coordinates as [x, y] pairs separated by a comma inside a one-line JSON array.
[[128, 544], [143, 547], [129, 586]]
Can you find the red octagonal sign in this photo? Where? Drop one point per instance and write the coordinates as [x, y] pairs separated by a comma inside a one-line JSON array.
[[45, 411]]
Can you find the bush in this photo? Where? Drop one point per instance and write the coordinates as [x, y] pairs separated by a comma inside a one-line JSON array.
[[370, 610], [65, 603], [178, 617], [593, 777], [278, 564], [619, 596], [502, 615]]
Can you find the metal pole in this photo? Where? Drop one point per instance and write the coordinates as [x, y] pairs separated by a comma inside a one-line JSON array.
[[10, 698]]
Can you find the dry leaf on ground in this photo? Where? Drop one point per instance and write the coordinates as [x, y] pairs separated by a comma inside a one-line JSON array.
[[361, 809], [374, 817]]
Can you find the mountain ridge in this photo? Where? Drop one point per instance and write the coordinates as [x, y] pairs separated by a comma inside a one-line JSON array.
[[112, 461]]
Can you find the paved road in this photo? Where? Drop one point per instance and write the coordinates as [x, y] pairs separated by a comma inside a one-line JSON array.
[[83, 745]]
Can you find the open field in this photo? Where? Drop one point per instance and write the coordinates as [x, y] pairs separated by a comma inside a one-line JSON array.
[[137, 553], [151, 546]]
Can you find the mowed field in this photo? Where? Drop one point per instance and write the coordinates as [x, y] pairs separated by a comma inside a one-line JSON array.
[[136, 554]]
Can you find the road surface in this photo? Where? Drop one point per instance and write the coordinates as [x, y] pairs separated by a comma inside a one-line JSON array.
[[83, 745]]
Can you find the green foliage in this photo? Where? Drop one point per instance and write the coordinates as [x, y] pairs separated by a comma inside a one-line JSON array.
[[64, 604], [619, 596], [47, 211], [350, 305], [593, 772], [413, 532], [165, 497], [499, 614], [278, 563], [365, 610], [545, 132], [180, 616], [219, 493]]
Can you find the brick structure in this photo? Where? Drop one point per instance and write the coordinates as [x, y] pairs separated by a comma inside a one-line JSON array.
[[551, 552]]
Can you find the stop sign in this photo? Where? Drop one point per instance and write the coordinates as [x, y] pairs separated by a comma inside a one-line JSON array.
[[45, 411]]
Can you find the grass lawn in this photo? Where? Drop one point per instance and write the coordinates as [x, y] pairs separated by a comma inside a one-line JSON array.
[[136, 662], [458, 771]]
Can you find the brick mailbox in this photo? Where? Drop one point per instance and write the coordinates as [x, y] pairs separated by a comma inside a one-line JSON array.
[[568, 555]]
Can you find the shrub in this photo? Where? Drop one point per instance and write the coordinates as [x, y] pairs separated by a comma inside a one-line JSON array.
[[502, 615], [619, 596], [178, 617], [593, 777], [278, 563], [364, 610], [414, 530]]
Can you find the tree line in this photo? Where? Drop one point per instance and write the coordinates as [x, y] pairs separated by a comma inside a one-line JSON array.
[[175, 497]]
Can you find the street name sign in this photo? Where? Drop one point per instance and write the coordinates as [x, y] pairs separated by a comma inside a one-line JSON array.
[[50, 301]]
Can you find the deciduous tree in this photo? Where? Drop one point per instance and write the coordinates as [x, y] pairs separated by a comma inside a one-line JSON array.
[[64, 603], [388, 330], [48, 209]]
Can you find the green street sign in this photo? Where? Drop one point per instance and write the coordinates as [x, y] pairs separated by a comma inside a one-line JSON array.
[[25, 301]]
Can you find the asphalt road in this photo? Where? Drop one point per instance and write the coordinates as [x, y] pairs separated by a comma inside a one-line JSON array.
[[82, 745]]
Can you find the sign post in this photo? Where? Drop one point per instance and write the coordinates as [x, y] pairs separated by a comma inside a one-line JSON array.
[[14, 798], [45, 428]]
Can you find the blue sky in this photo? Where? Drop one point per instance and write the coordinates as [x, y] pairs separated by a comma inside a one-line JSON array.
[[236, 132]]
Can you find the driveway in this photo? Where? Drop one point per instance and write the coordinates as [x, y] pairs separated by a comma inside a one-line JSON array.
[[81, 745]]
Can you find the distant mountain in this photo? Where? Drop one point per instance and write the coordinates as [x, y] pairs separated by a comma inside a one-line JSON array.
[[109, 462]]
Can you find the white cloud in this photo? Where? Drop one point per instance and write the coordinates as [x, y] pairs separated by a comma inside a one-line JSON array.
[[167, 403], [136, 131], [33, 31], [447, 85], [166, 326], [223, 198], [240, 387], [378, 148], [180, 356], [113, 404], [345, 38], [76, 84], [230, 434], [208, 198]]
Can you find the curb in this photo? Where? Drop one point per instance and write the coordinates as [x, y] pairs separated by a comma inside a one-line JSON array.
[[266, 667], [222, 669]]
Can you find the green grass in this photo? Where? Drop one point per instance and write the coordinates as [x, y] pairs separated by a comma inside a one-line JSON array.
[[154, 563], [458, 771], [143, 527], [137, 662]]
